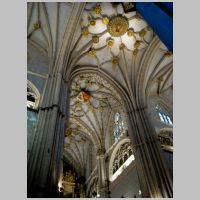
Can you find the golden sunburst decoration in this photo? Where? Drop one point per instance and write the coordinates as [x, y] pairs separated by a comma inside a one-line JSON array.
[[118, 25]]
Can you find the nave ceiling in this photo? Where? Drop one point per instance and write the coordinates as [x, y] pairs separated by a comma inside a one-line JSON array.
[[110, 41]]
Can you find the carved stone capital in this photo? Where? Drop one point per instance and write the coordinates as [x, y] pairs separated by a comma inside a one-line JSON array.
[[101, 151]]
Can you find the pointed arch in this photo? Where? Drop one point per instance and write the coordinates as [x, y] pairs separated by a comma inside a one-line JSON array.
[[33, 95]]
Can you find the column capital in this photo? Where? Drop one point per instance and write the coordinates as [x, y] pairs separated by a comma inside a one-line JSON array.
[[101, 151]]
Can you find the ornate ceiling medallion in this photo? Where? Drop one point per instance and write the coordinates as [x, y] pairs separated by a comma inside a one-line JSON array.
[[118, 26]]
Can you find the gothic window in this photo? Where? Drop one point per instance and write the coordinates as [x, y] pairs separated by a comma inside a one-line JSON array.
[[32, 96], [163, 115], [123, 155], [118, 126]]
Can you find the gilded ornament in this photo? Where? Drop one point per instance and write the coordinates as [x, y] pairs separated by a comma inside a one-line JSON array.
[[135, 52], [90, 107], [122, 46], [137, 44], [69, 177], [142, 33], [100, 109], [36, 25], [92, 52], [85, 31], [110, 42], [95, 39], [97, 9], [92, 22], [78, 105], [115, 60], [105, 20], [118, 26], [130, 32]]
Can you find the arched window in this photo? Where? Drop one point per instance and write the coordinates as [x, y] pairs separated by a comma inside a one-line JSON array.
[[118, 126], [163, 115], [33, 96], [123, 157]]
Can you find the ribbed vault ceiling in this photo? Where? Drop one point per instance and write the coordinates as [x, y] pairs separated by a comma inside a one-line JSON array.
[[93, 100]]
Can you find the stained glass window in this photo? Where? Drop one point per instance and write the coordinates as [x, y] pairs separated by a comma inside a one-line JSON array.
[[163, 115], [119, 126]]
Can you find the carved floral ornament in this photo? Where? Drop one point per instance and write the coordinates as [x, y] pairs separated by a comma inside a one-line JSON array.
[[100, 22], [74, 134], [89, 92]]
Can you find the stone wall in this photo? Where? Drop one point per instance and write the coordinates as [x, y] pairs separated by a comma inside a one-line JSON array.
[[126, 184]]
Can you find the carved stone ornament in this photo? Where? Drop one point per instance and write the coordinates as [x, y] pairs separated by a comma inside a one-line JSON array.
[[118, 26], [101, 151]]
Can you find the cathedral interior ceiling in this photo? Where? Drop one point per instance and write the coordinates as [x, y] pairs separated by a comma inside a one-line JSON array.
[[114, 42]]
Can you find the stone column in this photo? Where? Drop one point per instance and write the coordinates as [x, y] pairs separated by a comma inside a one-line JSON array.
[[44, 162], [46, 154], [101, 167], [154, 177]]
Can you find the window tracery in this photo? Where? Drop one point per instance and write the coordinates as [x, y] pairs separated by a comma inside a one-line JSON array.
[[163, 115], [122, 155]]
